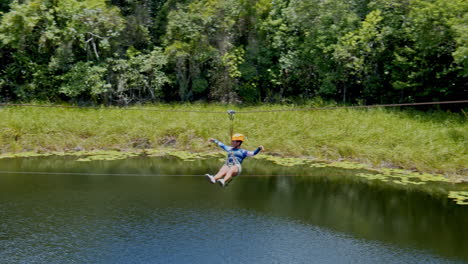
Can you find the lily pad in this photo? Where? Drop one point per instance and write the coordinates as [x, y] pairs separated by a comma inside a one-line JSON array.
[[191, 156], [24, 155], [154, 152], [399, 182], [460, 197], [318, 165], [347, 165], [284, 161], [107, 155], [372, 176]]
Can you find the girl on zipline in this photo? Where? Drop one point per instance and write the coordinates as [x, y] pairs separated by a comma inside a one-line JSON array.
[[232, 167]]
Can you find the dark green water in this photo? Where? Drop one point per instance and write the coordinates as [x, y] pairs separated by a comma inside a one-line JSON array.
[[328, 216]]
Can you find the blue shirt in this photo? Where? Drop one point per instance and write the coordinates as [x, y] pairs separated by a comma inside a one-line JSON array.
[[236, 155]]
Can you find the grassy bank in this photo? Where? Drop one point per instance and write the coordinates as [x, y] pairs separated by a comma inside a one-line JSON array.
[[427, 142]]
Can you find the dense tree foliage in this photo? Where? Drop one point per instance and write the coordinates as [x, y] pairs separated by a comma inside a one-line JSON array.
[[352, 51]]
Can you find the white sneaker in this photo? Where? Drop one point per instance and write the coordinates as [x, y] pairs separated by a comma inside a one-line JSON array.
[[210, 178], [221, 182]]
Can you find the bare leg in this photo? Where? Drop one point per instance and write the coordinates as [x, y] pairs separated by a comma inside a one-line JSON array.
[[224, 169], [232, 171]]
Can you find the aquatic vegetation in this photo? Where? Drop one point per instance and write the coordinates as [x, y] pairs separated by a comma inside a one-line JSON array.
[[83, 155], [389, 171], [116, 155], [348, 165], [319, 165], [403, 177], [24, 155], [153, 153], [461, 197], [108, 155], [291, 161], [283, 161], [313, 163], [192, 156]]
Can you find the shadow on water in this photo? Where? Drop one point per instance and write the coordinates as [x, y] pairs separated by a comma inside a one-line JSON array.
[[326, 215]]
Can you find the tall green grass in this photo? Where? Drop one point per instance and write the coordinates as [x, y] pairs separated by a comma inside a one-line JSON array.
[[434, 142]]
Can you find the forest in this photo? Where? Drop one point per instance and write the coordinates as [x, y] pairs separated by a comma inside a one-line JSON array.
[[125, 52]]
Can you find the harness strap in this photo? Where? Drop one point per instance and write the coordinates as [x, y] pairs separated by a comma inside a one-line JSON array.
[[231, 157], [231, 125]]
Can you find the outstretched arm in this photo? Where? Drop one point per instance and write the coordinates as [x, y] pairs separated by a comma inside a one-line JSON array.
[[220, 144], [255, 152]]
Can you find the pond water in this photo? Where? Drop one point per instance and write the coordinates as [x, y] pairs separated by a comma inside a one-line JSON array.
[[124, 211]]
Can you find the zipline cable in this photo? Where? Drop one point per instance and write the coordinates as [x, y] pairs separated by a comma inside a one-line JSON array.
[[94, 174], [135, 174], [245, 112], [356, 106], [117, 108]]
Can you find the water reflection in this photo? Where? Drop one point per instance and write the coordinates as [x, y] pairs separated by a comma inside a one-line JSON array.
[[328, 216]]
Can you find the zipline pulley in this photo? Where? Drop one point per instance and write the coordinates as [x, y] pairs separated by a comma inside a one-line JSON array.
[[231, 114]]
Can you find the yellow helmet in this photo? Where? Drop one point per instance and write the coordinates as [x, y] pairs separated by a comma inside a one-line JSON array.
[[238, 137]]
